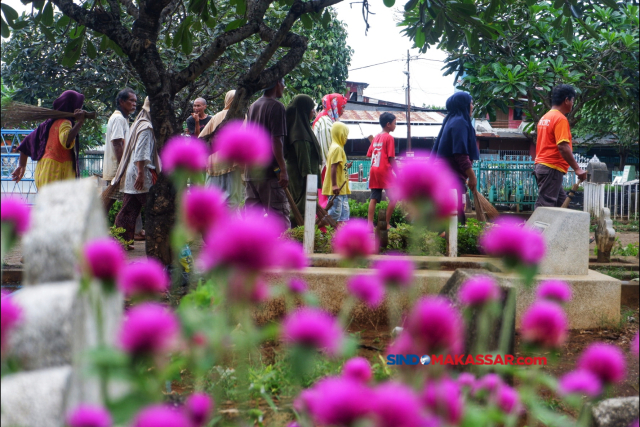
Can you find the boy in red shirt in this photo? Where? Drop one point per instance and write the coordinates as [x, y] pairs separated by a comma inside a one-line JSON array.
[[382, 152]]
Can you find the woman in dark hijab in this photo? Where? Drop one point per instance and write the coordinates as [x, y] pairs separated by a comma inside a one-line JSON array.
[[54, 143], [301, 149], [456, 143]]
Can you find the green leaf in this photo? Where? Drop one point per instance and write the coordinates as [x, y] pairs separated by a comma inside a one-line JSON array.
[[566, 10], [177, 38], [72, 52], [410, 5], [472, 42], [389, 3], [468, 9], [9, 13], [235, 24], [211, 22], [307, 21], [419, 38], [47, 33], [568, 31], [104, 44], [91, 50], [558, 4], [47, 14], [77, 32], [326, 19], [196, 6], [63, 22], [18, 25], [6, 32], [214, 10], [187, 42], [241, 7], [611, 3]]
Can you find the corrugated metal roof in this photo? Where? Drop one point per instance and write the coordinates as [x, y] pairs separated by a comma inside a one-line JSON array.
[[374, 116], [364, 130]]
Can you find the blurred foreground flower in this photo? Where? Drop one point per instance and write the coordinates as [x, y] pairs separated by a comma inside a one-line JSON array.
[[336, 401], [545, 323], [184, 153], [395, 271], [292, 256], [354, 239], [86, 415], [145, 277], [297, 286], [247, 145], [444, 398], [312, 327], [508, 400], [203, 207], [358, 369], [478, 291], [509, 239], [367, 288], [149, 328], [605, 361], [104, 258], [580, 382], [15, 214], [161, 416], [555, 290], [396, 405], [199, 409], [10, 314], [435, 326]]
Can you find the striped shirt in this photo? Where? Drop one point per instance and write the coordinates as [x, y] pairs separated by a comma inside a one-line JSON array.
[[322, 129]]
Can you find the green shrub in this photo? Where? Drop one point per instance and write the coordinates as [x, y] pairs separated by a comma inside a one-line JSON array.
[[113, 212], [429, 244], [116, 233], [468, 237], [322, 240], [361, 210]]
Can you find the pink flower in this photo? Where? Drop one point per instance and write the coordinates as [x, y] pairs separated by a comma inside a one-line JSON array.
[[244, 288], [336, 401], [354, 239], [434, 325], [403, 344], [545, 324], [635, 345], [86, 415], [161, 416], [292, 256], [508, 400], [489, 383], [293, 424], [10, 314], [605, 361], [396, 405], [297, 286], [555, 290], [104, 258], [149, 328], [314, 328], [203, 208], [478, 291], [16, 212], [369, 289], [357, 369], [421, 180], [580, 382], [466, 379], [246, 243], [636, 423], [396, 271], [143, 277], [444, 398], [510, 240], [248, 145], [199, 408], [184, 153]]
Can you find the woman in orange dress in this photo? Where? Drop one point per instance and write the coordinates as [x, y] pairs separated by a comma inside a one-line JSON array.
[[52, 143]]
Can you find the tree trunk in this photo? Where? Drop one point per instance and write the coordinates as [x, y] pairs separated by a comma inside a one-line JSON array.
[[623, 157], [160, 217]]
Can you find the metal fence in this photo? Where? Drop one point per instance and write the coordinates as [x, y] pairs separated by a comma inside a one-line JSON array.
[[622, 200]]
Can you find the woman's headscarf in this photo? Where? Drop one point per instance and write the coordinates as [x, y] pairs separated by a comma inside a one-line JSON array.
[[298, 126], [219, 117], [333, 106], [457, 135], [36, 142], [339, 133]]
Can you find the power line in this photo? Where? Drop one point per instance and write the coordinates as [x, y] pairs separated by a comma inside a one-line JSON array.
[[395, 60]]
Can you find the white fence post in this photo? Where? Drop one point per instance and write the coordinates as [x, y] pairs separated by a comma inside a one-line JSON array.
[[453, 228], [310, 214]]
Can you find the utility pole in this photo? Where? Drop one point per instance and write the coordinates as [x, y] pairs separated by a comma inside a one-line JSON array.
[[409, 151]]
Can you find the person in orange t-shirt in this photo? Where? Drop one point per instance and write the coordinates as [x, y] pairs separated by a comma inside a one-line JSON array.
[[554, 152]]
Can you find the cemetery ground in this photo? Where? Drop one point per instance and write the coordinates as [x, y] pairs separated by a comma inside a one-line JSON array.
[[270, 401]]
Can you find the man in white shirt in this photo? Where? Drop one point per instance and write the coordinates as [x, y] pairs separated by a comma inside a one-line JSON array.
[[117, 135]]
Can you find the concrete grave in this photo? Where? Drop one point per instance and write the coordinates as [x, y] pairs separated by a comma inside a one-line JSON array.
[[597, 172], [605, 235], [617, 412], [566, 234]]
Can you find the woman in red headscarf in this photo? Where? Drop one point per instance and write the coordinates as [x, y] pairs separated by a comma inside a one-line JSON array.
[[333, 107]]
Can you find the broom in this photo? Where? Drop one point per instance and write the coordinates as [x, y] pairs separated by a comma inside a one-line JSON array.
[[479, 211], [487, 208], [14, 113], [571, 194]]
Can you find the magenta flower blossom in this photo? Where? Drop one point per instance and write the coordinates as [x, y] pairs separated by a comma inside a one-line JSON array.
[[261, 292], [313, 327], [246, 243], [636, 423], [143, 277], [10, 314], [545, 324], [478, 291], [199, 409], [293, 424], [184, 153], [367, 288], [436, 326], [336, 401], [104, 258], [248, 145], [421, 180], [203, 207], [396, 271], [149, 328], [357, 369], [297, 286], [510, 240], [244, 288], [354, 239], [605, 361], [508, 400], [444, 398], [396, 405], [89, 416], [15, 212], [466, 379], [555, 290], [161, 416], [489, 383], [635, 345], [580, 382], [292, 256], [403, 344]]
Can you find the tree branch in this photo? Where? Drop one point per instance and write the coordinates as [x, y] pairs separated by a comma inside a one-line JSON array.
[[130, 8]]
